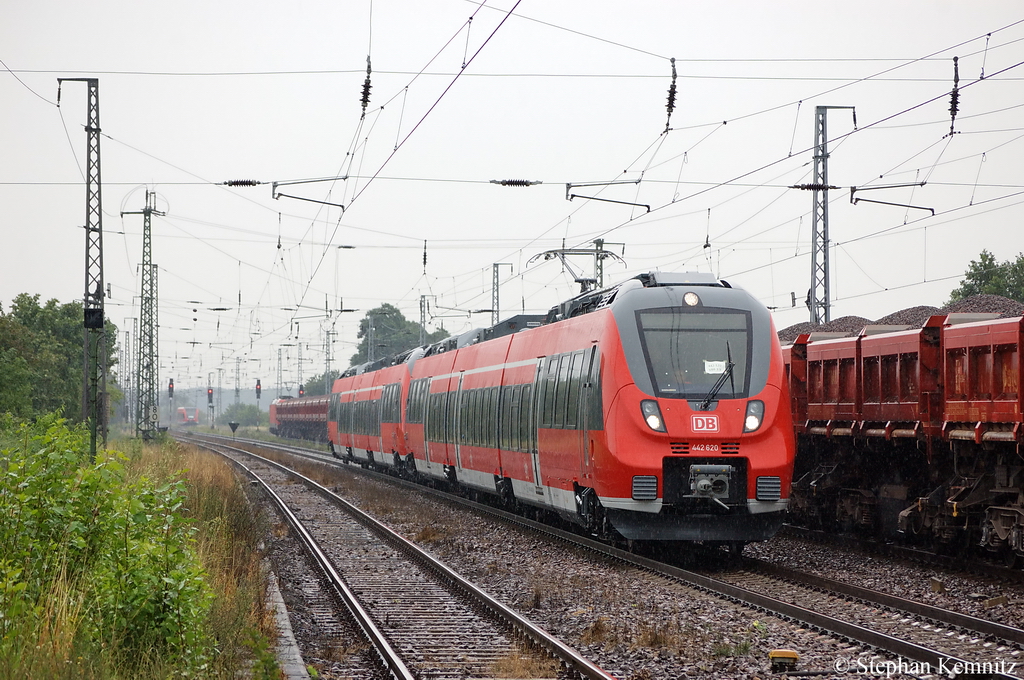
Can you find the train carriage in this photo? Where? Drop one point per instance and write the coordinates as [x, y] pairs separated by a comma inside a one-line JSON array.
[[300, 418]]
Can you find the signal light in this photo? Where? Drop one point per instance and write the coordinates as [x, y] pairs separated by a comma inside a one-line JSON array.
[[259, 388], [209, 395], [302, 391], [170, 389]]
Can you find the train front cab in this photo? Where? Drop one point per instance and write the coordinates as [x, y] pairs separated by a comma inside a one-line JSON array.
[[695, 451]]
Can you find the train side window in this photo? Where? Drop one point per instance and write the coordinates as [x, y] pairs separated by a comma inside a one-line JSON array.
[[388, 412], [595, 420], [432, 417], [489, 421], [547, 390], [482, 420], [468, 417], [528, 411], [477, 417], [414, 401], [455, 416], [515, 416], [441, 431], [503, 417], [481, 417], [495, 412], [421, 400], [561, 389], [464, 435]]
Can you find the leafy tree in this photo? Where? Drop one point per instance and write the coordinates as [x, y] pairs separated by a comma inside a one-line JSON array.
[[321, 384], [41, 356], [244, 414], [986, 276], [15, 382], [393, 334]]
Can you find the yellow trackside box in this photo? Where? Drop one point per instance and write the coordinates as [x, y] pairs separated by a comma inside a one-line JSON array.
[[783, 660]]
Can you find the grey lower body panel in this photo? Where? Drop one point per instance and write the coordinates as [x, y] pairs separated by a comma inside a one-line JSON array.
[[740, 525]]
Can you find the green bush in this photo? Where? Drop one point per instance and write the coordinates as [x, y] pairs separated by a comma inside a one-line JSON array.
[[96, 568]]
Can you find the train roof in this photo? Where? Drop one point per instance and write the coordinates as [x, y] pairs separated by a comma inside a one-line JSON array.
[[583, 303]]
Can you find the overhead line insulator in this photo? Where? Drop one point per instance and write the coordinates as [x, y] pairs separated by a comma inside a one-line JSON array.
[[242, 183], [516, 182]]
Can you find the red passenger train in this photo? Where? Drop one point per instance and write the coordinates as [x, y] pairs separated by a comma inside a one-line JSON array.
[[653, 410], [914, 431], [187, 416]]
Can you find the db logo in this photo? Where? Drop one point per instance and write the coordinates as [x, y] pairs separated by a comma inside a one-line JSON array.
[[704, 423]]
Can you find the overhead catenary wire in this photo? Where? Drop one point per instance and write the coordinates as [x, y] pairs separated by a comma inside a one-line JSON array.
[[432, 245]]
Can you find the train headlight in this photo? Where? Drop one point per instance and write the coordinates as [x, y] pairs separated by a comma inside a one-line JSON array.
[[691, 299], [652, 415], [755, 414]]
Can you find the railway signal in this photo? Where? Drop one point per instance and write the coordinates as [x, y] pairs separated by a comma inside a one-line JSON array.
[[259, 388], [302, 391], [209, 396], [170, 389]]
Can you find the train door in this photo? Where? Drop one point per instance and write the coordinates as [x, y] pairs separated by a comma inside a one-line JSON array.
[[427, 419], [535, 425], [589, 403], [378, 440], [455, 419]]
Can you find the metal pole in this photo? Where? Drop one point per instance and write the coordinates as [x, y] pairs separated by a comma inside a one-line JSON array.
[[147, 415], [818, 299], [94, 359]]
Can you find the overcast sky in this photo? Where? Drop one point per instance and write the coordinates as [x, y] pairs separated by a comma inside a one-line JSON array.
[[193, 94]]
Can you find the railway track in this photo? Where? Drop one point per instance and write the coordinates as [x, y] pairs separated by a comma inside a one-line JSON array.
[[422, 618], [933, 638], [906, 552]]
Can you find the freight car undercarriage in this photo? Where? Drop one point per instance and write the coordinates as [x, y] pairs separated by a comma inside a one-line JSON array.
[[968, 495]]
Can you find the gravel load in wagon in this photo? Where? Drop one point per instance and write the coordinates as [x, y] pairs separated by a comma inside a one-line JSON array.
[[915, 317]]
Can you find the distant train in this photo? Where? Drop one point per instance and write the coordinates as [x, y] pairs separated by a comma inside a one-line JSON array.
[[657, 409], [187, 416], [915, 432], [302, 418]]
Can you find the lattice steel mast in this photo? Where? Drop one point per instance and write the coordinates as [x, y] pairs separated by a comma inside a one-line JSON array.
[[147, 414], [819, 301], [94, 364]]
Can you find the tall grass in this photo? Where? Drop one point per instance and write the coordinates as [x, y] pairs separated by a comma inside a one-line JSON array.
[[124, 567]]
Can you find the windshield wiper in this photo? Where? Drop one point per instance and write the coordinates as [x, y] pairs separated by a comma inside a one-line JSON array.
[[726, 375]]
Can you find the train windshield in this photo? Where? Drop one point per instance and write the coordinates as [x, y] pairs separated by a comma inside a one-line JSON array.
[[688, 351]]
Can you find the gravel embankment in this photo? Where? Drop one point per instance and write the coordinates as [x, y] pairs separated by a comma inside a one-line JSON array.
[[632, 623], [960, 593]]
